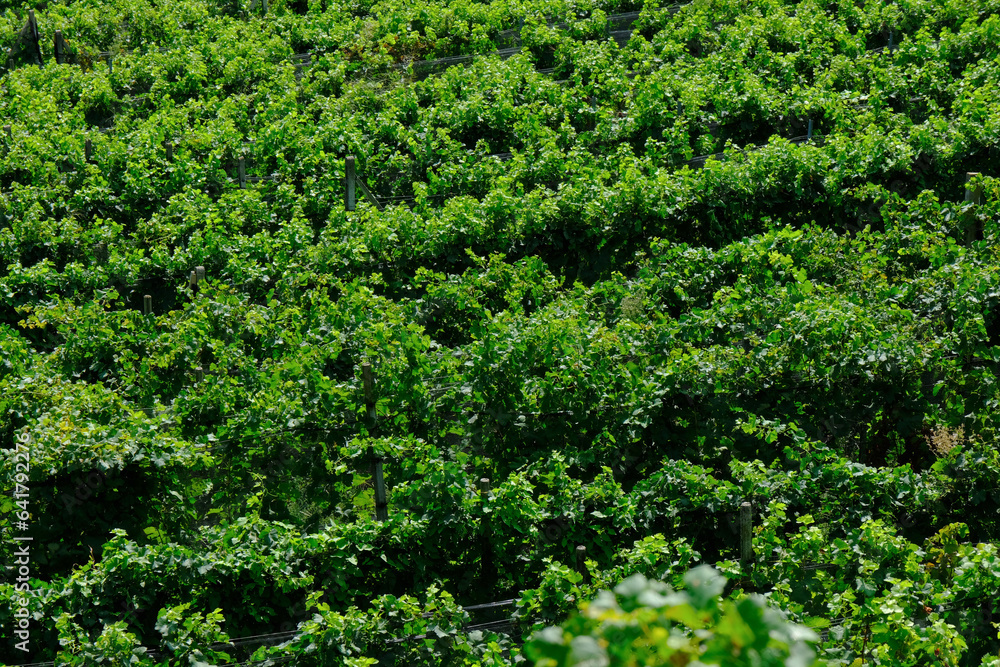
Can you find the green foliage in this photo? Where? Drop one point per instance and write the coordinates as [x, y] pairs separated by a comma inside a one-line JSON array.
[[647, 622], [190, 636], [556, 298], [115, 645]]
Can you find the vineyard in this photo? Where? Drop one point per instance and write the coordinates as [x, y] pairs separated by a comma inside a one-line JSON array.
[[371, 332]]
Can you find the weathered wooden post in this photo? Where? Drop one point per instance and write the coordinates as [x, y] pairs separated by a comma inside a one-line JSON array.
[[350, 198], [147, 305], [746, 535], [33, 24], [368, 380], [580, 562], [487, 570]]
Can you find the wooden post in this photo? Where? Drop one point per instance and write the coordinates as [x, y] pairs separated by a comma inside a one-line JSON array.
[[101, 253], [243, 174], [484, 486], [350, 199], [265, 7], [973, 195], [147, 305], [372, 199], [199, 272], [8, 131], [746, 535], [809, 132], [34, 36], [193, 282], [88, 150], [199, 374], [580, 562], [58, 47], [381, 504], [170, 149], [369, 384]]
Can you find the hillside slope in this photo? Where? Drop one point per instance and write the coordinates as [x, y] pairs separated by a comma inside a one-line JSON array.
[[574, 280]]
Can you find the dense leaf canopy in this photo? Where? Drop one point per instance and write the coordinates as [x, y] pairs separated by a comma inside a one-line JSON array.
[[630, 267]]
